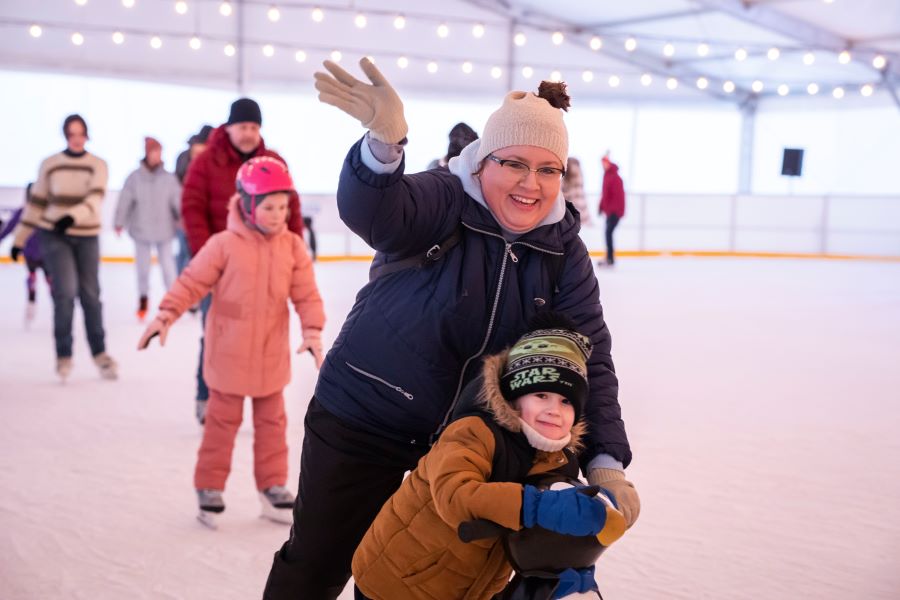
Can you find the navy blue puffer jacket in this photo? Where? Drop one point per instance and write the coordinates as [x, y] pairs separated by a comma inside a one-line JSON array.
[[414, 338]]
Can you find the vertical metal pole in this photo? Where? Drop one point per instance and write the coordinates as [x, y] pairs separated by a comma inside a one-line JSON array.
[[748, 133], [511, 57], [242, 68]]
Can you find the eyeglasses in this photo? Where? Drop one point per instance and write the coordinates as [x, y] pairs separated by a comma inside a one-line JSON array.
[[521, 170]]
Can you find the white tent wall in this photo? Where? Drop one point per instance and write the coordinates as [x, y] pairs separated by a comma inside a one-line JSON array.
[[680, 161]]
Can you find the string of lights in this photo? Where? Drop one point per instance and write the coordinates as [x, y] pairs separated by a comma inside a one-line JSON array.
[[675, 51]]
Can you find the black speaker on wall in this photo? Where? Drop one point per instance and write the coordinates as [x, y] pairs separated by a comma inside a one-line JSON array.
[[792, 162]]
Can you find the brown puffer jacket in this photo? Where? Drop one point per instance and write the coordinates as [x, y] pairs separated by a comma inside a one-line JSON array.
[[412, 551]]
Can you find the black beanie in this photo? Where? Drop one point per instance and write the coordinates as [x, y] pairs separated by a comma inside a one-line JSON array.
[[244, 110]]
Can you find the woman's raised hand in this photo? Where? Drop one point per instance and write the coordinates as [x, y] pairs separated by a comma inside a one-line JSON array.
[[376, 105]]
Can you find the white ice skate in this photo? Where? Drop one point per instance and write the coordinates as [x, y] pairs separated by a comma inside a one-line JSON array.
[[107, 366], [277, 504], [64, 367], [211, 506]]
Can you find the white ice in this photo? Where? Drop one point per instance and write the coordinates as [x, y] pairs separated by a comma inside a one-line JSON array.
[[762, 399]]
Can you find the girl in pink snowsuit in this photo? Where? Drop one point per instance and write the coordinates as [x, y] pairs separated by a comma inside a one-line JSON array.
[[252, 269]]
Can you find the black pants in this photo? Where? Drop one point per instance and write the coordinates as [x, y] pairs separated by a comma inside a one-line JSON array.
[[611, 222], [346, 475]]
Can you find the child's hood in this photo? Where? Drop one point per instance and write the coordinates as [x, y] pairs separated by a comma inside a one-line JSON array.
[[503, 412]]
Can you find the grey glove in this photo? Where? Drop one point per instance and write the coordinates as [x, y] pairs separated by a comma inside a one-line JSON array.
[[627, 499], [377, 106]]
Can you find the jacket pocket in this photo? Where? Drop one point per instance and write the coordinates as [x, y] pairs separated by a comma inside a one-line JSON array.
[[378, 379], [426, 568]]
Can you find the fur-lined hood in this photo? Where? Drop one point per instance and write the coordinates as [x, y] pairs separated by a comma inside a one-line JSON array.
[[491, 398]]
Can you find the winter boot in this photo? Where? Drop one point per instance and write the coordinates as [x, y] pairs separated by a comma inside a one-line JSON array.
[[277, 504], [200, 409], [108, 367], [211, 504], [142, 309], [64, 367]]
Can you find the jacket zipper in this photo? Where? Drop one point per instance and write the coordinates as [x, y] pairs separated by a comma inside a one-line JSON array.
[[508, 253], [396, 388]]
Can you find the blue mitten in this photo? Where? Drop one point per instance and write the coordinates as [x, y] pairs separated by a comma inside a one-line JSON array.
[[573, 581], [563, 511]]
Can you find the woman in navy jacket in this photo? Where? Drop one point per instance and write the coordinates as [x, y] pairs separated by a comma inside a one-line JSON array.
[[501, 245]]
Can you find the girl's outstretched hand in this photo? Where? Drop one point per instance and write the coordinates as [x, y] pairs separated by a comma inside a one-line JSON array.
[[156, 328], [312, 342]]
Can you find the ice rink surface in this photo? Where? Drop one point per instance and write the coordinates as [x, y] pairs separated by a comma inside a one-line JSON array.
[[762, 399]]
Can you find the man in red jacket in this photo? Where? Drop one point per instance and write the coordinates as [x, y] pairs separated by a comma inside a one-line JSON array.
[[208, 186], [612, 205]]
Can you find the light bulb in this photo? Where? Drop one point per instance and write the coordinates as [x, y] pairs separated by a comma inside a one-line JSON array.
[[702, 83], [225, 9], [728, 87], [195, 43], [812, 89], [35, 31], [496, 72], [527, 72], [443, 31], [596, 43], [614, 81], [519, 39], [229, 50], [809, 58], [879, 62], [478, 30], [740, 54], [181, 7], [274, 14], [702, 49], [866, 90], [399, 22], [336, 56], [671, 83], [80, 2], [631, 44], [77, 39], [783, 90], [773, 53], [757, 86], [646, 79], [838, 92], [587, 76], [268, 50], [318, 15], [669, 50], [118, 38], [844, 57], [128, 3], [360, 20], [467, 67], [555, 76], [432, 67], [557, 37], [156, 42], [402, 62]]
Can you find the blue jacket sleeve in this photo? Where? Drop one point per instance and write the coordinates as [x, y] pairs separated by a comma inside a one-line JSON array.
[[579, 298], [394, 213]]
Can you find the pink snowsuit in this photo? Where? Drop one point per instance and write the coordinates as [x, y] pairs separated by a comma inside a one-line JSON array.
[[251, 277]]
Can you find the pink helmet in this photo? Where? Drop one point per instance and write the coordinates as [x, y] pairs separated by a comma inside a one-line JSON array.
[[259, 177]]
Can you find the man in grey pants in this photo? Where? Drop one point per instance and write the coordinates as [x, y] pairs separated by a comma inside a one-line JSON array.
[[64, 207]]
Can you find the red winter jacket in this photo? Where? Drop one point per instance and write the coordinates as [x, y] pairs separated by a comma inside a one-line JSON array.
[[210, 183], [612, 198]]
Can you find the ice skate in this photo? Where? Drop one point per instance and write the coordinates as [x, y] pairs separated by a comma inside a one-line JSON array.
[[64, 367], [277, 504], [200, 411], [142, 309], [211, 506], [108, 367], [30, 312]]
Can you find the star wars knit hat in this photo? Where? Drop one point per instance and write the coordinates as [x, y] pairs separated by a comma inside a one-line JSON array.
[[548, 360]]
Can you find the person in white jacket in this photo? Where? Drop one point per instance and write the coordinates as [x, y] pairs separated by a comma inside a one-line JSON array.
[[150, 208]]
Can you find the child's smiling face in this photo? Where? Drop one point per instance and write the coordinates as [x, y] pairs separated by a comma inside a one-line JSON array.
[[550, 414]]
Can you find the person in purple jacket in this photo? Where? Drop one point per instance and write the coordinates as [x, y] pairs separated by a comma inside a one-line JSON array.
[[465, 257], [33, 260]]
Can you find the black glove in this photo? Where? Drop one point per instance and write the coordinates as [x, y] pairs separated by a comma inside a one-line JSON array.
[[63, 224], [14, 253]]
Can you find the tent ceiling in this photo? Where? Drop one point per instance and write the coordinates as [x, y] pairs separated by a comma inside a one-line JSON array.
[[796, 27]]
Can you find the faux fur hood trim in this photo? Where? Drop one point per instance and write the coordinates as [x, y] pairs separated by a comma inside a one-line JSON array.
[[491, 398]]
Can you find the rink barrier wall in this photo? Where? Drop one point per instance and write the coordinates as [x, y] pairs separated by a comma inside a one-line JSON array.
[[698, 225]]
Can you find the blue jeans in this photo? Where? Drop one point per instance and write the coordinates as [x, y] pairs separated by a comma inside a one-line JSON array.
[[184, 254], [202, 389], [72, 262]]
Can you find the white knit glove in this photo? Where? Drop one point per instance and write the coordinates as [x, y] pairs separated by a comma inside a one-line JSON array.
[[377, 106], [312, 342]]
